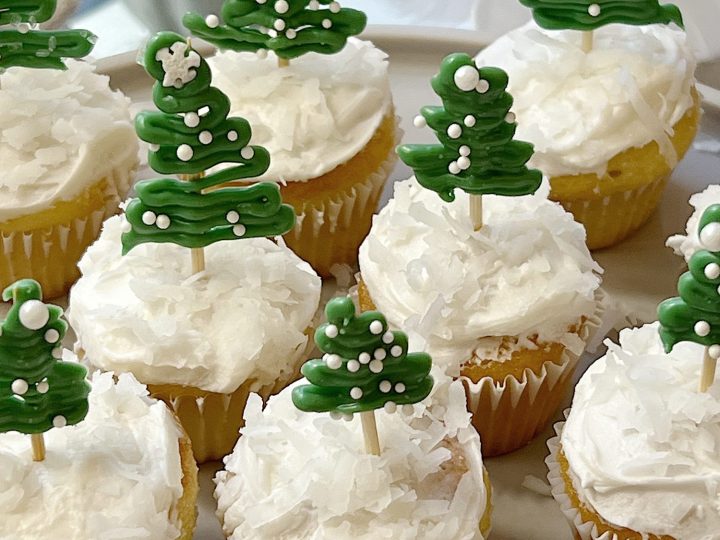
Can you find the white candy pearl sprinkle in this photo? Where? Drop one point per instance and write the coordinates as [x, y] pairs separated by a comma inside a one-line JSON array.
[[125, 225], [239, 230], [454, 168], [327, 23], [408, 410], [281, 6], [52, 336], [470, 121], [356, 393], [396, 351], [205, 137], [314, 5], [388, 337], [261, 1], [348, 417], [400, 388], [385, 387], [163, 222], [232, 216], [464, 151], [334, 7], [454, 131], [710, 236], [185, 152], [510, 118], [42, 387], [376, 366], [261, 54], [419, 121], [331, 331], [333, 361], [466, 78], [702, 328], [464, 163], [594, 10], [714, 351], [19, 387], [380, 354], [154, 147], [279, 24], [336, 415], [712, 271], [390, 407], [59, 422], [376, 327], [212, 21], [353, 366], [232, 136], [149, 218], [291, 34], [34, 314], [483, 86], [57, 353], [364, 358], [192, 119], [247, 152]]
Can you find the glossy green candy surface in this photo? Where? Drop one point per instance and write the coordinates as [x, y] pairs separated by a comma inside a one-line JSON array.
[[477, 151], [589, 15], [290, 28], [364, 367], [695, 315], [23, 45], [37, 390], [193, 133]]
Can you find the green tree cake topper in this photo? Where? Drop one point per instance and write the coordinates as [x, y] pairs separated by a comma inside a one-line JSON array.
[[38, 391], [21, 44], [365, 367], [587, 15], [190, 134], [695, 315], [477, 151], [290, 28]]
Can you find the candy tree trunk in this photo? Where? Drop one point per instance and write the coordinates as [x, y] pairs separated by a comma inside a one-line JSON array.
[[476, 211], [197, 254], [587, 41], [370, 433], [38, 447], [708, 373]]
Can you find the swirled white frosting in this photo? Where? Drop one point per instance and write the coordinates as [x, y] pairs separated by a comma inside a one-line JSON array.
[[643, 443], [314, 115], [244, 318], [60, 132], [687, 244], [303, 475], [115, 475], [526, 272], [580, 110]]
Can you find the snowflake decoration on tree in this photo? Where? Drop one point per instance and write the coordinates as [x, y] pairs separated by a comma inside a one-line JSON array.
[[180, 64]]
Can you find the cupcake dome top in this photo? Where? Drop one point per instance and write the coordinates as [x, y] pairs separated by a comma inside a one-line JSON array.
[[642, 443], [298, 475], [118, 470], [526, 272], [581, 109]]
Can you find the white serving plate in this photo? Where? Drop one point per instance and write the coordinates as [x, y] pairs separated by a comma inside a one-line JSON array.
[[639, 273]]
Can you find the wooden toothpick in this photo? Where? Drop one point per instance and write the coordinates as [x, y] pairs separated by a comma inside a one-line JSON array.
[[197, 254], [283, 62], [708, 373], [370, 433], [38, 447], [476, 211], [587, 41]]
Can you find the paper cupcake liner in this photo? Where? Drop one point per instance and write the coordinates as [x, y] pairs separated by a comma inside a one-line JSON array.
[[609, 220], [186, 509], [50, 255], [329, 231], [509, 415]]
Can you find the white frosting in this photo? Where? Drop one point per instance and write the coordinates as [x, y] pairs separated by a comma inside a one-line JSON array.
[[244, 317], [687, 244], [526, 272], [115, 475], [580, 110], [60, 132], [304, 475], [643, 443], [314, 115]]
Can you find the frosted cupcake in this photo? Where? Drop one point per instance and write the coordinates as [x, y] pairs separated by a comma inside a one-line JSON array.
[[326, 117], [67, 148], [687, 244], [610, 124], [297, 475], [187, 290]]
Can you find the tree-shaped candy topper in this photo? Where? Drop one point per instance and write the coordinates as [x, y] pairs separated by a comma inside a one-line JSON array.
[[475, 128], [589, 15], [191, 134], [365, 367], [695, 315], [290, 28], [38, 392], [21, 44]]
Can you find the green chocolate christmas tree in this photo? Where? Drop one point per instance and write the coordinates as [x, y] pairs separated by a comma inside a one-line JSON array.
[[191, 134], [365, 366], [588, 15], [695, 315], [21, 44], [475, 128], [290, 28], [37, 390]]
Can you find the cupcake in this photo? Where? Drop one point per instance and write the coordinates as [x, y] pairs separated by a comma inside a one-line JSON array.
[[185, 291], [299, 475], [326, 117], [506, 307], [637, 456], [685, 245], [91, 467], [67, 149], [609, 124]]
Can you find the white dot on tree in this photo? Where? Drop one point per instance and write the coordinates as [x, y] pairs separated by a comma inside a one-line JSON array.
[[466, 78], [470, 121], [261, 53], [57, 353], [390, 407], [348, 417], [232, 136], [34, 314], [19, 387], [702, 328], [712, 271], [408, 410], [385, 387], [163, 222], [464, 151], [396, 351], [327, 23], [380, 354], [464, 163], [205, 137], [281, 6], [336, 415], [154, 147], [483, 86], [331, 331], [59, 422], [714, 351], [356, 393], [334, 7], [192, 119], [239, 230], [52, 336], [149, 218], [710, 236], [232, 216], [454, 168], [594, 10], [247, 152], [291, 34], [185, 152], [42, 387], [376, 366], [279, 25], [333, 361], [400, 388], [376, 327], [353, 366], [388, 337], [364, 358], [314, 5], [212, 21], [261, 1], [454, 131], [510, 118], [419, 121]]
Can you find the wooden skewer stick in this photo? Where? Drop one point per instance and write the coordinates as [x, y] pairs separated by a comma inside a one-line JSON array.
[[283, 62], [38, 447], [369, 425], [197, 254], [587, 41], [708, 373], [476, 211]]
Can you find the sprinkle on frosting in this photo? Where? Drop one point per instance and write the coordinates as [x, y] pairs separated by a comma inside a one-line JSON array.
[[686, 245], [643, 444]]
